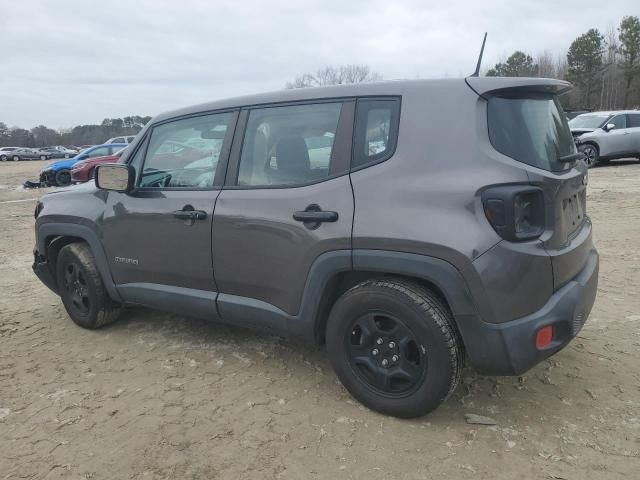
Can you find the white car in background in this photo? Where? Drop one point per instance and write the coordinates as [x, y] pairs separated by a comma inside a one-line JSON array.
[[604, 136]]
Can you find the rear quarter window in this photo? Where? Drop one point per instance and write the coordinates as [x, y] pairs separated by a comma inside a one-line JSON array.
[[531, 129], [376, 131]]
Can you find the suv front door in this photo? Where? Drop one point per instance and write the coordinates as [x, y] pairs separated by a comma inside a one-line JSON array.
[[287, 200], [616, 141], [158, 236]]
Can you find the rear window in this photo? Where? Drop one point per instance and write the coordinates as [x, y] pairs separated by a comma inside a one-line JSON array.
[[531, 130]]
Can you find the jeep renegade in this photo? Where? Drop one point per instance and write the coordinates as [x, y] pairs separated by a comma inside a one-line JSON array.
[[410, 226]]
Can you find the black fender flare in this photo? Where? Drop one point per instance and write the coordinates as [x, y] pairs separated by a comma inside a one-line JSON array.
[[55, 229]]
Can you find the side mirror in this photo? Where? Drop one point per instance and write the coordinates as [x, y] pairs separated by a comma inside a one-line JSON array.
[[115, 177], [609, 126]]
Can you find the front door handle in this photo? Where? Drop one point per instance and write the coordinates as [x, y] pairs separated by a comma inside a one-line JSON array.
[[313, 216], [188, 213]]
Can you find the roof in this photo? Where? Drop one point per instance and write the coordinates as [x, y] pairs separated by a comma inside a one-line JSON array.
[[392, 87], [609, 112]]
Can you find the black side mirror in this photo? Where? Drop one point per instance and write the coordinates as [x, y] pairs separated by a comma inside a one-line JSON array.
[[115, 177]]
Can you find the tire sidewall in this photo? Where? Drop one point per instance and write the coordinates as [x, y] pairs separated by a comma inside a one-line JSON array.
[[59, 174], [435, 384], [89, 319]]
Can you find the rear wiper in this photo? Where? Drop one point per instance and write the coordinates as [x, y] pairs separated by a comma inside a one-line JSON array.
[[571, 157]]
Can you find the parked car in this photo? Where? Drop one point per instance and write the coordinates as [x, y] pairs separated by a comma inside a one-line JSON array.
[[21, 154], [59, 173], [122, 139], [48, 153], [83, 170], [574, 113], [5, 152], [341, 215], [604, 136]]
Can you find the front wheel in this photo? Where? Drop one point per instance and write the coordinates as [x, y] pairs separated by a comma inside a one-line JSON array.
[[393, 345], [3, 158], [63, 178], [43, 157], [16, 158], [81, 288], [591, 154]]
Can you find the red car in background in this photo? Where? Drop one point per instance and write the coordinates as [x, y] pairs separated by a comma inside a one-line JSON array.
[[83, 171]]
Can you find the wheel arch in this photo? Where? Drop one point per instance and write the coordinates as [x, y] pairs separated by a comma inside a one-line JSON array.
[[53, 236]]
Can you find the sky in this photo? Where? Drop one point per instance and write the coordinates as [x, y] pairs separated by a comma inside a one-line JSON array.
[[71, 62]]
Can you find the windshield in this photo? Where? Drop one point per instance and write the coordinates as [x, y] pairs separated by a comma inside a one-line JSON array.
[[531, 129], [588, 121]]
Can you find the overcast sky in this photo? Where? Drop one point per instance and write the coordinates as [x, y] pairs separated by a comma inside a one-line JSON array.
[[69, 62]]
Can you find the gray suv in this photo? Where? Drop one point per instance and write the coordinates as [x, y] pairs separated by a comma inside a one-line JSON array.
[[604, 136], [354, 216]]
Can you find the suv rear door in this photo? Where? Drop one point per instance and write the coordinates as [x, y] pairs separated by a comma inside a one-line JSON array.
[[287, 200], [158, 236], [633, 127]]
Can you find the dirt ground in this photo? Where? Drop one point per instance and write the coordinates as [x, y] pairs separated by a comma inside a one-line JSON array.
[[158, 396]]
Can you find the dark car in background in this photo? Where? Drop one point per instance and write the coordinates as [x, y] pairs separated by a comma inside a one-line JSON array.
[[83, 170]]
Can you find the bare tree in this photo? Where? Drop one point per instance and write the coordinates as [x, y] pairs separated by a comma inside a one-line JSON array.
[[336, 76], [546, 65]]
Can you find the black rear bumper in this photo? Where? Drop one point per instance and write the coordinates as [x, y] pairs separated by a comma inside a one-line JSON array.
[[509, 348]]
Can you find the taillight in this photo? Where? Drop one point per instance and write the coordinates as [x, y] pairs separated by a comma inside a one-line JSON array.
[[516, 212]]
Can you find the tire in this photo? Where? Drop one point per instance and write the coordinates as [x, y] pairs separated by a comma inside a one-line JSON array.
[[409, 327], [63, 178], [16, 158], [3, 158], [81, 288], [43, 157], [591, 154]]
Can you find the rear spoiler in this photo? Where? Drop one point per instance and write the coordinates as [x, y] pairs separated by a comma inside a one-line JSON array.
[[491, 85]]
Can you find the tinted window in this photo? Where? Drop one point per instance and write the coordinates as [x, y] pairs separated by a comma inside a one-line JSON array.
[[118, 140], [288, 145], [185, 153], [620, 121], [376, 131], [633, 120], [99, 152], [532, 130]]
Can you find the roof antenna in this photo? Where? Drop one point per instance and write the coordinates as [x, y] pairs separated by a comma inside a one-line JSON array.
[[477, 72]]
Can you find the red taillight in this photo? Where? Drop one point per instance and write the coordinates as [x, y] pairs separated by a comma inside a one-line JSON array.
[[544, 336]]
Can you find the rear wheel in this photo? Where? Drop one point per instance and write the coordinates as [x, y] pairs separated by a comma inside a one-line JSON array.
[[43, 157], [393, 345], [81, 288], [591, 154], [63, 178], [16, 158]]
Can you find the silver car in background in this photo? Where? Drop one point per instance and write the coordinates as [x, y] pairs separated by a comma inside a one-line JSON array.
[[604, 136]]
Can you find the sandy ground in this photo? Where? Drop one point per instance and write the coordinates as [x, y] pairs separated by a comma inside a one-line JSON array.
[[159, 396]]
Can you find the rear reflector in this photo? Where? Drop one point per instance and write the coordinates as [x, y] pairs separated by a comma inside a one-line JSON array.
[[544, 337]]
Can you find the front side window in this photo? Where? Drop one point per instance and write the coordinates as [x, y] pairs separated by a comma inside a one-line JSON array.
[[588, 120], [531, 129], [185, 153], [620, 121], [288, 145], [376, 131]]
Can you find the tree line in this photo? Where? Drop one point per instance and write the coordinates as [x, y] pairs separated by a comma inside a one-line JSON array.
[[42, 136], [604, 68]]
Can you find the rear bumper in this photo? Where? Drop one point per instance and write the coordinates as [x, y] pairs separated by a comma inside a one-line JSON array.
[[80, 176], [509, 348]]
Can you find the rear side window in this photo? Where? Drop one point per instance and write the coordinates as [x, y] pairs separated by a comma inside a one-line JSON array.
[[531, 130], [633, 120], [376, 131], [290, 145]]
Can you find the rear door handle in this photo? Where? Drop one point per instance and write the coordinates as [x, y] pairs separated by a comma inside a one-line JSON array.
[[188, 213], [313, 216]]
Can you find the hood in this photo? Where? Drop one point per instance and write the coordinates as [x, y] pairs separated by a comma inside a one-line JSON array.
[[60, 164], [580, 131]]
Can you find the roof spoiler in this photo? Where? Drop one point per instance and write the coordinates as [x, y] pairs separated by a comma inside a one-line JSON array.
[[492, 85]]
